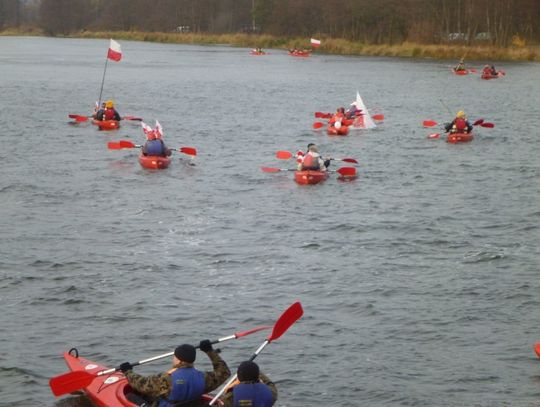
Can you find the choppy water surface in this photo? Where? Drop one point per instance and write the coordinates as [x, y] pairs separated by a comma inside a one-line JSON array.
[[419, 280]]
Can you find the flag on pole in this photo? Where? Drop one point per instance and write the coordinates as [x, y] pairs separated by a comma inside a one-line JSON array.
[[158, 130], [315, 43], [115, 53]]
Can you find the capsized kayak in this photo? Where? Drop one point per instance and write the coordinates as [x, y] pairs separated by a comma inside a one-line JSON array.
[[459, 137], [154, 162], [310, 177], [107, 124], [108, 390], [334, 131]]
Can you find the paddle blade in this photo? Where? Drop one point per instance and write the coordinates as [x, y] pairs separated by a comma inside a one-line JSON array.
[[127, 144], [70, 382], [139, 119], [318, 125], [284, 155], [112, 145], [488, 125], [537, 349], [429, 123], [347, 171], [78, 118], [479, 121], [289, 317], [433, 135], [378, 117], [348, 160], [270, 169], [251, 331], [188, 150]]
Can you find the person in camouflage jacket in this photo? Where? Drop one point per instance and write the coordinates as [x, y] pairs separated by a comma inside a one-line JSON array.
[[160, 388], [252, 388]]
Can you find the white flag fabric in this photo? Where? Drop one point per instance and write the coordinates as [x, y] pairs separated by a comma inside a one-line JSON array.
[[115, 52], [315, 43]]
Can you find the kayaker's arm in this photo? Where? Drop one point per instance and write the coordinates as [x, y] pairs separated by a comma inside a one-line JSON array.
[[221, 372], [153, 386]]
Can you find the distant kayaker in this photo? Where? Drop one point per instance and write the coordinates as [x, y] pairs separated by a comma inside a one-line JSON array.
[[459, 125], [337, 117], [460, 66], [109, 113], [493, 70], [312, 160], [353, 111], [183, 384], [155, 145], [252, 388], [487, 71]]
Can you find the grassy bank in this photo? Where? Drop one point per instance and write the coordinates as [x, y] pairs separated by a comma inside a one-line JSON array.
[[329, 45]]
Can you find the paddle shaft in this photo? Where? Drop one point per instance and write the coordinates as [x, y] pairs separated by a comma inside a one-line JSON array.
[[103, 79]]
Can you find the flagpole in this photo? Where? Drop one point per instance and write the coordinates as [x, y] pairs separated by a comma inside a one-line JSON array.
[[103, 80]]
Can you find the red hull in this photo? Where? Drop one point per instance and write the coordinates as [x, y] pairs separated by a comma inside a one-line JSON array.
[[462, 72], [459, 137], [153, 162], [342, 131], [300, 54], [310, 177], [257, 53], [107, 124], [108, 390]]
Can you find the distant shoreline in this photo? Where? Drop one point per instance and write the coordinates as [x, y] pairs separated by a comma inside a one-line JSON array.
[[334, 46]]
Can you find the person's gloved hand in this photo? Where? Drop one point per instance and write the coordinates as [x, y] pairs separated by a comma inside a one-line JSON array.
[[206, 346], [327, 163], [124, 367]]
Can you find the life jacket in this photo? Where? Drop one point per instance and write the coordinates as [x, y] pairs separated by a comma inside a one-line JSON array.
[[187, 384], [155, 147], [252, 395], [487, 71], [310, 162], [460, 125], [109, 114], [338, 117]]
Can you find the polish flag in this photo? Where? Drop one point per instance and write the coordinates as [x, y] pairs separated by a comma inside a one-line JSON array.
[[115, 53], [315, 43], [146, 128], [158, 130]]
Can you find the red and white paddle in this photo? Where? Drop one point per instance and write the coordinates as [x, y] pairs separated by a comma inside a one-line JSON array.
[[118, 145]]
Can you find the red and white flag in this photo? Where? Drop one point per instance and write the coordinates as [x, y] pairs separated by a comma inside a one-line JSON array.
[[158, 130], [315, 43], [146, 128], [115, 53]]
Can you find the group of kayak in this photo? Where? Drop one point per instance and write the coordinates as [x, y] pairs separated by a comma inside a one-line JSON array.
[[488, 72]]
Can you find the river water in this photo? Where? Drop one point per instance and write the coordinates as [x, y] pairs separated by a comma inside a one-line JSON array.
[[419, 280]]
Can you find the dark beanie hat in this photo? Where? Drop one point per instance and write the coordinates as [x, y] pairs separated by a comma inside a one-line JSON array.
[[186, 353], [248, 371]]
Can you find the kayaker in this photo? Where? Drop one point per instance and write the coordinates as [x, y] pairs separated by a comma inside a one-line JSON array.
[[459, 125], [253, 388], [312, 161], [109, 113], [338, 117], [183, 384], [460, 66], [493, 70], [353, 111], [155, 145], [487, 70]]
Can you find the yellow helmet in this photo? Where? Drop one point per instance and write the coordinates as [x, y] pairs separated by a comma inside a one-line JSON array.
[[460, 114], [109, 104]]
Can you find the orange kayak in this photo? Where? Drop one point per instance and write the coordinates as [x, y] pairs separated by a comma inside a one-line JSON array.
[[107, 124], [334, 131], [459, 137], [310, 177], [154, 162], [108, 390]]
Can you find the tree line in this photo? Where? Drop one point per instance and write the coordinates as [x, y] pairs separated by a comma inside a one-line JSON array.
[[494, 22]]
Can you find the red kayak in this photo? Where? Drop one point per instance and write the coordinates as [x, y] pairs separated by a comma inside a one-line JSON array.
[[461, 72], [334, 131], [300, 53], [253, 52], [310, 177], [107, 124], [154, 162], [108, 390], [459, 137], [488, 76]]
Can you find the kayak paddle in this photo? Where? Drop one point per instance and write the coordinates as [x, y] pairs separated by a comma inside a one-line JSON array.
[[479, 122], [73, 381], [81, 118], [285, 155], [537, 349], [112, 145], [285, 321], [318, 125], [378, 117], [344, 171]]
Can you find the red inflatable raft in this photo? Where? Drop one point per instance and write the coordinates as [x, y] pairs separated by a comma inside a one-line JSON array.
[[107, 124], [459, 137], [107, 390], [310, 177], [334, 131], [154, 162]]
